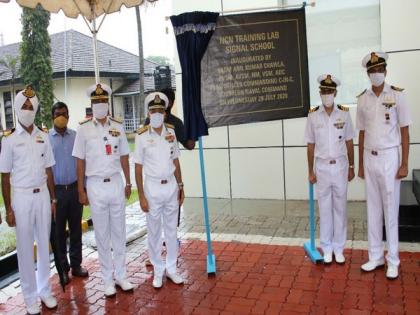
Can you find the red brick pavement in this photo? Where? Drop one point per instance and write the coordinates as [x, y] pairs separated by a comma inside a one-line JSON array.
[[251, 279]]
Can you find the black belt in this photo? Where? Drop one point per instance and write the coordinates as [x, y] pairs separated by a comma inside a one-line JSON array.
[[332, 161], [107, 180], [66, 187], [36, 190]]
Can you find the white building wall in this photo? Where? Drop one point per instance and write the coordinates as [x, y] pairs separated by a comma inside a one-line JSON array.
[[277, 169]]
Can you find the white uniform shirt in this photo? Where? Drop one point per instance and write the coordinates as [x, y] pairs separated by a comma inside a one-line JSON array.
[[26, 156], [329, 133], [157, 152], [382, 117], [92, 140]]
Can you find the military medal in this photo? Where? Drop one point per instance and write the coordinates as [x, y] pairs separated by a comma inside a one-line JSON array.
[[39, 139]]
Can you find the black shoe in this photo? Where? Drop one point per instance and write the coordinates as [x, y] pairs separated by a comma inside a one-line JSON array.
[[66, 279], [79, 272]]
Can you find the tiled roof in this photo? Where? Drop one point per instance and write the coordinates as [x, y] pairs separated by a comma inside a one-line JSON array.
[[113, 61]]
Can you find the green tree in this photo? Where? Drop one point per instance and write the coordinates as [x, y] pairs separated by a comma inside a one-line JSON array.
[[161, 60], [10, 63], [35, 54]]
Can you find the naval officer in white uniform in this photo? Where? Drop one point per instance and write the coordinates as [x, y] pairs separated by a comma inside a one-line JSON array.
[[26, 162], [383, 119], [156, 161], [101, 149], [329, 134]]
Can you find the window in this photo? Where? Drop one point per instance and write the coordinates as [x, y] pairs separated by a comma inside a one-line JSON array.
[[339, 35]]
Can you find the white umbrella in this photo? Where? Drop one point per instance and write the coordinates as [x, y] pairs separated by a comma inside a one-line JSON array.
[[88, 9]]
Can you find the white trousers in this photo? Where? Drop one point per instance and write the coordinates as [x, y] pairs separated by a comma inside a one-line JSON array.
[[383, 201], [33, 222], [331, 190], [163, 206], [107, 204]]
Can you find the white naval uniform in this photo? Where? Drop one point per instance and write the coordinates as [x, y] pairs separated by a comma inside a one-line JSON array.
[[156, 154], [381, 164], [26, 156], [329, 134], [105, 190]]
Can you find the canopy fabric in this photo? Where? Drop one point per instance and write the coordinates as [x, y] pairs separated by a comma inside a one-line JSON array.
[[72, 8]]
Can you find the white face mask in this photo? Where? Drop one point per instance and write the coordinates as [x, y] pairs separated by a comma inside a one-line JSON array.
[[156, 120], [26, 117], [377, 78], [100, 110], [327, 99]]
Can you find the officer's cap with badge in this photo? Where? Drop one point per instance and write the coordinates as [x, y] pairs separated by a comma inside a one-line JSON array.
[[329, 82], [374, 59], [99, 92], [156, 100]]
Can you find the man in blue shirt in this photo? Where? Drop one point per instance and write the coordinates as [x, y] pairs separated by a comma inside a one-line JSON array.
[[69, 210]]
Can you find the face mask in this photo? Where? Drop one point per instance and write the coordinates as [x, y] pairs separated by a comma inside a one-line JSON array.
[[60, 122], [156, 120], [26, 117], [327, 100], [100, 110], [377, 78]]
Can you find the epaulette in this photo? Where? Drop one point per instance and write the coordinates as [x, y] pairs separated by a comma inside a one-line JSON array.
[[169, 126], [314, 109], [8, 132], [362, 93], [85, 121], [343, 108], [142, 129], [396, 88], [116, 120]]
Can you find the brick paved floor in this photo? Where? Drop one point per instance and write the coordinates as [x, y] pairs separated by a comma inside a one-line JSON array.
[[250, 279]]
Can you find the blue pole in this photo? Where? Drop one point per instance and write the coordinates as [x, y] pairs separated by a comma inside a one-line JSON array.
[[309, 247], [211, 260], [312, 215]]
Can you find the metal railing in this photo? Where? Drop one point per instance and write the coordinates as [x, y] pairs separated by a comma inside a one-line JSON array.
[[131, 124]]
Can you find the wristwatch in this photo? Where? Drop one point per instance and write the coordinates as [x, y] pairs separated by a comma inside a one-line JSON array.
[[180, 185], [351, 166], [54, 201], [128, 185]]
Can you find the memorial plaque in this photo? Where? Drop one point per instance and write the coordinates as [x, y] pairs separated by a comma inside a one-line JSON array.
[[255, 69]]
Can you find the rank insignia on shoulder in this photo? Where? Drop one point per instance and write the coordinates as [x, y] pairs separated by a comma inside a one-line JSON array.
[[397, 88], [8, 132], [142, 130], [343, 108], [362, 93], [314, 109], [169, 126], [119, 121], [85, 121]]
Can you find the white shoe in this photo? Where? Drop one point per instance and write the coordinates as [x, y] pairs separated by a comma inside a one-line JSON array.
[[372, 265], [392, 271], [124, 284], [327, 258], [157, 281], [110, 289], [49, 301], [175, 278], [33, 309], [339, 258]]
